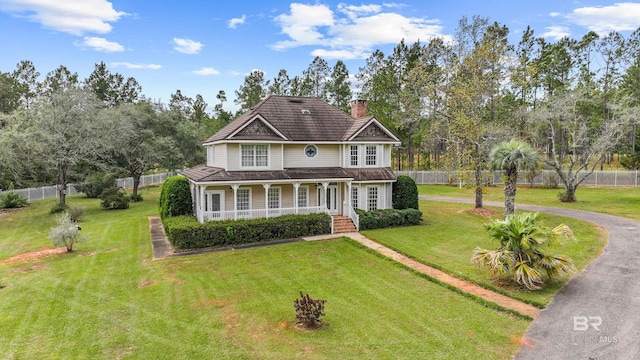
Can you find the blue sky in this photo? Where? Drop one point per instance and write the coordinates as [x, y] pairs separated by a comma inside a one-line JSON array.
[[201, 47]]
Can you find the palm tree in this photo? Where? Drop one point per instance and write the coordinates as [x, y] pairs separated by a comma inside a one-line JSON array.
[[509, 156], [520, 256]]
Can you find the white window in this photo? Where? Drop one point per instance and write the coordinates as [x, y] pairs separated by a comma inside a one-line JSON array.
[[254, 155], [372, 198], [243, 199], [354, 197], [354, 155], [303, 196], [371, 155], [273, 198], [262, 155]]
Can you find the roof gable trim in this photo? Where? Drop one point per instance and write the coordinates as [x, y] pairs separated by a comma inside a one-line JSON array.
[[377, 123], [254, 119]]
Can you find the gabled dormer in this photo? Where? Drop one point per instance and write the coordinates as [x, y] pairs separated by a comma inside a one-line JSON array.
[[257, 129]]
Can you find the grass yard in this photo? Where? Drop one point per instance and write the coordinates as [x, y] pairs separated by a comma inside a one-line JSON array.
[[450, 233], [109, 300], [619, 201]]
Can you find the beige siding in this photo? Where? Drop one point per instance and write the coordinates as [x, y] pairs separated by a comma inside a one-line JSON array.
[[233, 157], [275, 154], [386, 158], [328, 156], [217, 156], [257, 195], [210, 155]]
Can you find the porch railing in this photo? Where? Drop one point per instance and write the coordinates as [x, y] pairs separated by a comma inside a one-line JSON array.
[[353, 215], [261, 213]]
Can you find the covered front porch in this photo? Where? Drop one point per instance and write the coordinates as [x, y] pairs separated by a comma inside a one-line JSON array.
[[248, 200]]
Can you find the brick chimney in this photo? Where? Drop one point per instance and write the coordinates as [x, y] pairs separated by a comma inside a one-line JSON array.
[[358, 108]]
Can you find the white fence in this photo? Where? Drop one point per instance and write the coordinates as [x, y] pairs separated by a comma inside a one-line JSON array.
[[544, 177], [47, 192]]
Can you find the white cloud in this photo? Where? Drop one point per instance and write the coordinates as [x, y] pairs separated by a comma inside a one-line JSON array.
[[129, 65], [206, 71], [556, 32], [346, 54], [354, 11], [604, 19], [554, 14], [101, 44], [187, 46], [240, 73], [352, 31], [73, 17], [233, 23], [302, 24]]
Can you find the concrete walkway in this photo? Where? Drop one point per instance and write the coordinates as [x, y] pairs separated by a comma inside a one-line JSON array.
[[597, 314], [159, 242]]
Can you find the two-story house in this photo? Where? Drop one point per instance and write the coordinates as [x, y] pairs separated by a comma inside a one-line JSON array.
[[295, 155]]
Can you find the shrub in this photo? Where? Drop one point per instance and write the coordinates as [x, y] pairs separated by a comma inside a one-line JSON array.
[[67, 233], [136, 198], [564, 196], [96, 183], [523, 255], [114, 198], [76, 213], [378, 219], [58, 208], [185, 232], [12, 200], [309, 311], [405, 193], [175, 197], [631, 161]]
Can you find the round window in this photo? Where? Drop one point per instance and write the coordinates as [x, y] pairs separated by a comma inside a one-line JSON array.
[[311, 151]]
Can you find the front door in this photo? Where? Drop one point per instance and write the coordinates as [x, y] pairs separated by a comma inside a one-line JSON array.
[[332, 199], [214, 202]]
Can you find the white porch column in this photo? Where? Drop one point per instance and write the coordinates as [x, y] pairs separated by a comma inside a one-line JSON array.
[[323, 198], [348, 199], [296, 185], [266, 198], [194, 198], [235, 201], [201, 204]]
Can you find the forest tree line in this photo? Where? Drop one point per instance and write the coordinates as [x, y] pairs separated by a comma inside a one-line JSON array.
[[574, 100]]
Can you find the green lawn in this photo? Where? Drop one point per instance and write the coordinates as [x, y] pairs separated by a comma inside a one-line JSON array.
[[109, 300], [619, 201], [450, 233]]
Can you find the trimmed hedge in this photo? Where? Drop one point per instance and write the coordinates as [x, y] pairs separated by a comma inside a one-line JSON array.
[[405, 193], [175, 197], [185, 232], [385, 218]]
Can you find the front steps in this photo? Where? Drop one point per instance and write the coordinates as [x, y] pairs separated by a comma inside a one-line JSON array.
[[343, 224]]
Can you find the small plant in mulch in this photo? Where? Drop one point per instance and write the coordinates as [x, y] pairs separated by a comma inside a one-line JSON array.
[[308, 311]]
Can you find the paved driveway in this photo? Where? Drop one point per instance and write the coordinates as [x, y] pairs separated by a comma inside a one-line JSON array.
[[597, 314]]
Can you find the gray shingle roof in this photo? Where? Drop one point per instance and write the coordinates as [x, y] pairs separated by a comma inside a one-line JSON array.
[[298, 119]]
